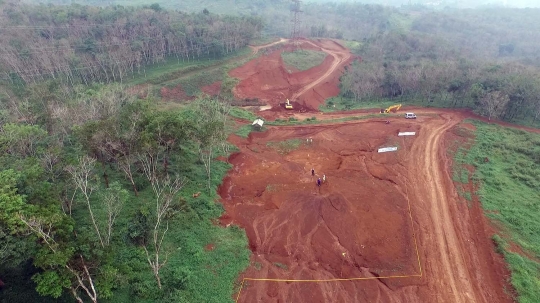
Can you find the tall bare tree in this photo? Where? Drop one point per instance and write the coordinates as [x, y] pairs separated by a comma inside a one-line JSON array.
[[165, 189], [77, 267], [81, 175], [494, 103], [113, 198]]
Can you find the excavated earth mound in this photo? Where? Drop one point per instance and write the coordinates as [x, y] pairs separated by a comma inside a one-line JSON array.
[[268, 79], [358, 224], [355, 225]]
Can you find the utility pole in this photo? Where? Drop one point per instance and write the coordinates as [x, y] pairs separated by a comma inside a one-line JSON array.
[[296, 11]]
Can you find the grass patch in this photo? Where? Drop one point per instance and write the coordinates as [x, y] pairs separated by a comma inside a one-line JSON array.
[[193, 83], [243, 114], [245, 130], [340, 103], [271, 188], [354, 46], [263, 41], [303, 59], [257, 265], [509, 180], [172, 68], [280, 122], [285, 147], [524, 272]]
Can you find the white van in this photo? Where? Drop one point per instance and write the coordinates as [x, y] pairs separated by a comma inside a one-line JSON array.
[[410, 116]]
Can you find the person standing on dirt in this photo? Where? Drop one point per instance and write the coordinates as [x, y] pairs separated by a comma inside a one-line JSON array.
[[324, 178], [313, 171], [319, 182]]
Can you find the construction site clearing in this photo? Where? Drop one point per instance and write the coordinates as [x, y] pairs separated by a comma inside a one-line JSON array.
[[382, 227]]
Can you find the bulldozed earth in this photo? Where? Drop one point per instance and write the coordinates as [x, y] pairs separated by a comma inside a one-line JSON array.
[[383, 227]]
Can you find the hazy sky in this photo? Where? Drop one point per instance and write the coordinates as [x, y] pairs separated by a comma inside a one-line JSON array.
[[442, 3]]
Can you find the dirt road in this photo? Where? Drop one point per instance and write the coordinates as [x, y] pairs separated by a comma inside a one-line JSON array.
[[450, 274], [269, 79], [255, 48], [340, 56]]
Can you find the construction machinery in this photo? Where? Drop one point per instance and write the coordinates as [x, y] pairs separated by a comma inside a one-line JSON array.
[[394, 108], [288, 105]]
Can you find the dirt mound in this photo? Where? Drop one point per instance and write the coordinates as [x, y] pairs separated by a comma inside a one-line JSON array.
[[212, 89], [268, 79], [358, 223], [176, 93], [355, 225]]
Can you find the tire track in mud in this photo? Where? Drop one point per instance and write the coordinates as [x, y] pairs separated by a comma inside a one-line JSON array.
[[339, 58], [255, 49], [449, 272]]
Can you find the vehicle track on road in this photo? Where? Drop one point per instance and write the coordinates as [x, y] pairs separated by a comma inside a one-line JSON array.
[[449, 273], [339, 59]]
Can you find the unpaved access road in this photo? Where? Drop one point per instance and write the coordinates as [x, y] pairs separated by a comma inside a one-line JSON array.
[[255, 48], [340, 56]]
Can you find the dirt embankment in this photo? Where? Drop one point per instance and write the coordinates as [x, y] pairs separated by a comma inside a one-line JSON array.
[[268, 79]]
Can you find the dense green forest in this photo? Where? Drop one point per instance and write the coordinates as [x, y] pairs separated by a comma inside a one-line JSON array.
[[456, 58], [117, 203], [106, 197], [419, 68]]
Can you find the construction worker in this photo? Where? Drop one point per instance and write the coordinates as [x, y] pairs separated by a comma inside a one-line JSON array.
[[319, 182], [313, 171]]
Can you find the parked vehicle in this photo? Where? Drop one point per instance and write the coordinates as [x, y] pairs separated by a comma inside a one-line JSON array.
[[410, 116]]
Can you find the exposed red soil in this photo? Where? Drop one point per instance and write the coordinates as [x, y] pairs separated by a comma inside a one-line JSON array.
[[212, 89], [358, 224], [267, 77], [298, 232], [176, 93]]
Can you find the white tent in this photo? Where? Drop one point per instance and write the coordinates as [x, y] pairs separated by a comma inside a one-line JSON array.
[[258, 122]]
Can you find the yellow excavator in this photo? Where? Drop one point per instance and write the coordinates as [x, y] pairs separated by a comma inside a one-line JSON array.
[[395, 108], [288, 105]]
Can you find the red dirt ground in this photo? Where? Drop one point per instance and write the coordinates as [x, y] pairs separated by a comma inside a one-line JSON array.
[[267, 78], [357, 224], [176, 93], [212, 89], [298, 232]]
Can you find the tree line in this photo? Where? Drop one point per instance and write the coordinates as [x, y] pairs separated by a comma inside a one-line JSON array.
[[85, 44], [416, 66]]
